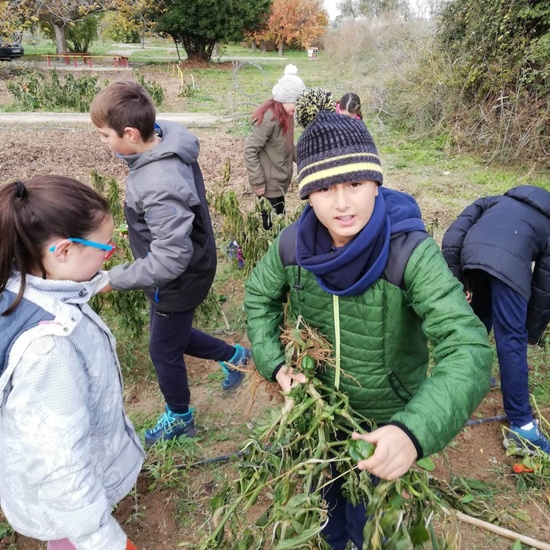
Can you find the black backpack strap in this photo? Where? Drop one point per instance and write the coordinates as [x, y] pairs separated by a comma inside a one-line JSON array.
[[402, 245], [287, 252], [287, 245]]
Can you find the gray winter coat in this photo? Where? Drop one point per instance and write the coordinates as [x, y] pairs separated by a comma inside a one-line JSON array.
[[168, 224]]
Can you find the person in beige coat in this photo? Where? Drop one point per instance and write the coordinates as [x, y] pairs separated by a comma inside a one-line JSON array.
[[269, 150]]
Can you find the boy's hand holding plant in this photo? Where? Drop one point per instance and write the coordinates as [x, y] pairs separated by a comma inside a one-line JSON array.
[[287, 378], [394, 452]]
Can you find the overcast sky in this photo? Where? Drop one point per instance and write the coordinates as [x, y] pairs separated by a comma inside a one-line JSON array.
[[416, 5], [330, 6]]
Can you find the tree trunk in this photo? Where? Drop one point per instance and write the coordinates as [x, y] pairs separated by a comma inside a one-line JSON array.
[[198, 50], [281, 47], [142, 30], [254, 47], [60, 38], [264, 46], [198, 55], [177, 49]]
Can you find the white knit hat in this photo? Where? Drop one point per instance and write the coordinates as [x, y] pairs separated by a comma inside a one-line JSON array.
[[289, 87]]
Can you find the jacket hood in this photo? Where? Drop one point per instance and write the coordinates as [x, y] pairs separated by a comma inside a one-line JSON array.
[[534, 196], [403, 211], [175, 140]]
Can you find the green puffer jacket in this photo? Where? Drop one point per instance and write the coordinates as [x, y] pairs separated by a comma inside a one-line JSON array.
[[382, 336]]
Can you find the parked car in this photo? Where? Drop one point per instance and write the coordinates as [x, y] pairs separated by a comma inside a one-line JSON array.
[[10, 51]]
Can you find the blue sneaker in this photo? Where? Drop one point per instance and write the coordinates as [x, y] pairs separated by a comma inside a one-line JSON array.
[[233, 378], [527, 442], [170, 426]]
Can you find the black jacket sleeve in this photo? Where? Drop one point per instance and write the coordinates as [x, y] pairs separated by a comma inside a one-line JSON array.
[[453, 240]]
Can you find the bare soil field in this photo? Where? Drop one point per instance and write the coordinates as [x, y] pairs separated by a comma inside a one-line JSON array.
[[156, 517]]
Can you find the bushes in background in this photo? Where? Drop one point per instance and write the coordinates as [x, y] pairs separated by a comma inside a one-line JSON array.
[[37, 90], [479, 74]]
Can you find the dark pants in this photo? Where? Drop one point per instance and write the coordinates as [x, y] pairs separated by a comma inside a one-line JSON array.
[[346, 522], [172, 335], [278, 205], [503, 309]]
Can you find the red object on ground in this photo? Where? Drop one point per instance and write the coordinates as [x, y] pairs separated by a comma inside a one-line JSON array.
[[522, 469]]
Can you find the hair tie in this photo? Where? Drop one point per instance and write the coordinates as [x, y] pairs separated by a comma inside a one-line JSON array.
[[21, 189]]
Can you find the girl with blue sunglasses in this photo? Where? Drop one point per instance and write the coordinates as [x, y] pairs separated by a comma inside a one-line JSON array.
[[68, 452]]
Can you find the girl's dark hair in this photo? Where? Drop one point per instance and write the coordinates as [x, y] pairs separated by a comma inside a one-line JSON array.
[[34, 212], [279, 114], [352, 103]]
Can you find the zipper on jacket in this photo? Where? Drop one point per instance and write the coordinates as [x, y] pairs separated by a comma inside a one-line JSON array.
[[336, 313], [157, 294], [399, 388], [297, 286]]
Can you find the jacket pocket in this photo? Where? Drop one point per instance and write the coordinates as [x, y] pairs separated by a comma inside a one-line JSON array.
[[399, 388]]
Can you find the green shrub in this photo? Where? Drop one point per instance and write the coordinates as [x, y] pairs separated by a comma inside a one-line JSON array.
[[497, 43], [120, 29], [129, 308], [246, 227], [37, 90], [482, 80], [500, 79], [156, 91], [80, 34]]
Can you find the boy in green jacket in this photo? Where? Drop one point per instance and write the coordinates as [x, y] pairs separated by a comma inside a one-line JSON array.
[[360, 268]]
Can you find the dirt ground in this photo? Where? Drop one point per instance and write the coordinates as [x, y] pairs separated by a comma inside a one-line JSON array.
[[75, 150]]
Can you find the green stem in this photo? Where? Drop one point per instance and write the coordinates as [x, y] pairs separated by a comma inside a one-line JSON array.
[[231, 511]]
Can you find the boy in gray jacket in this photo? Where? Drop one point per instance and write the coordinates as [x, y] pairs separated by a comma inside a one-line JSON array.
[[173, 244]]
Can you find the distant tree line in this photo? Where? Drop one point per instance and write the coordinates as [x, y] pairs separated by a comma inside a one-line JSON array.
[[196, 25]]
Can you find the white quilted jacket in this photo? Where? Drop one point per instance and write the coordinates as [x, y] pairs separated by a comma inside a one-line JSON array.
[[68, 452]]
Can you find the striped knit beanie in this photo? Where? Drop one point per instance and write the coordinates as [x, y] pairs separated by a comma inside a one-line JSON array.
[[335, 149]]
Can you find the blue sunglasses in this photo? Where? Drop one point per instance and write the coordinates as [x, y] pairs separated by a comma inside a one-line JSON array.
[[109, 247]]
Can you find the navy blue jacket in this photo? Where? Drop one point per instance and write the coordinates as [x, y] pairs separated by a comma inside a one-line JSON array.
[[504, 236]]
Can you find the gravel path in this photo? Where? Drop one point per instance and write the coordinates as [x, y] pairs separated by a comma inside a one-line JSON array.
[[191, 120]]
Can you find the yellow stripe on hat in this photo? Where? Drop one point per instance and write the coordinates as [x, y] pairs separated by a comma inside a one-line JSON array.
[[339, 170], [341, 157]]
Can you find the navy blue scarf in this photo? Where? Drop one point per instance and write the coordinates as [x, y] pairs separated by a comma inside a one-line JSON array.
[[351, 269]]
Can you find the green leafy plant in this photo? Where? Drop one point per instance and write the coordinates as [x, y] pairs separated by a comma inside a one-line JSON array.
[[246, 227], [155, 90], [37, 90], [290, 460], [496, 42], [210, 311], [130, 308], [80, 34], [5, 530]]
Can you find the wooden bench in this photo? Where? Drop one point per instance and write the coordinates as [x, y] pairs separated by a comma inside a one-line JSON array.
[[118, 60]]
